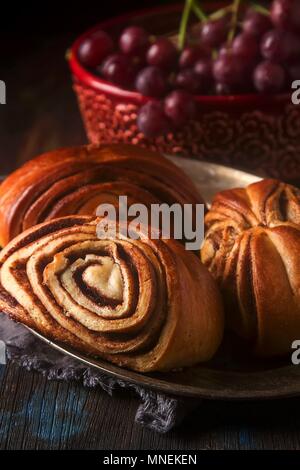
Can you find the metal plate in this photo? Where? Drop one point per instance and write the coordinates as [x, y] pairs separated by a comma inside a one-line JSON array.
[[226, 377], [211, 178]]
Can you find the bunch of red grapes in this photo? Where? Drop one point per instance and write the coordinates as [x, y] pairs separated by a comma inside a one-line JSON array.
[[261, 54]]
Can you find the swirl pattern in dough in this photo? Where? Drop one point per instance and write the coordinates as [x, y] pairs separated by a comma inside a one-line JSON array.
[[77, 180], [144, 304]]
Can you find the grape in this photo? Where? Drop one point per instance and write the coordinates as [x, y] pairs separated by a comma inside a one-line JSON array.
[[151, 81], [188, 80], [152, 121], [269, 77], [256, 24], [214, 33], [285, 14], [224, 50], [245, 46], [280, 46], [222, 89], [294, 71], [194, 32], [231, 71], [95, 48], [134, 41], [162, 54], [179, 106], [191, 54], [203, 70], [118, 69]]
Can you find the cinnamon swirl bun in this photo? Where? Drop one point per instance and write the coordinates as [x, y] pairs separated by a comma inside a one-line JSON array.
[[252, 248], [144, 304], [76, 180]]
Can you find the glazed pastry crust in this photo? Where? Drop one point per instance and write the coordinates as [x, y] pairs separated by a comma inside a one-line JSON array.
[[76, 180], [147, 305], [252, 248]]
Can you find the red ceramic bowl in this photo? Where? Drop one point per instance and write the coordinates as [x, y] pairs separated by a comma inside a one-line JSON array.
[[253, 132]]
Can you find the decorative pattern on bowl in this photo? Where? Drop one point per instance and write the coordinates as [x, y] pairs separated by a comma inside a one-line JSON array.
[[252, 132]]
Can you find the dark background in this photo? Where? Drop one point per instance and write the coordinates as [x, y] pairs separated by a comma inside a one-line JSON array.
[[41, 112], [24, 24]]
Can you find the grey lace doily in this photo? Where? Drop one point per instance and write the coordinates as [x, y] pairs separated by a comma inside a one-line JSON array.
[[156, 411]]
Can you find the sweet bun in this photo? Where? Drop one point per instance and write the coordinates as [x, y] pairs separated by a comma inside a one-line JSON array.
[[252, 248], [76, 180], [147, 305]]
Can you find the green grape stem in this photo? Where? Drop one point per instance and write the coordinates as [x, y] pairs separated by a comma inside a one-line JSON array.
[[190, 5], [260, 9], [234, 20], [216, 15], [184, 22], [198, 11], [193, 6]]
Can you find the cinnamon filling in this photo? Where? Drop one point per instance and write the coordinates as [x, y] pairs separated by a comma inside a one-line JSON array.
[[105, 277]]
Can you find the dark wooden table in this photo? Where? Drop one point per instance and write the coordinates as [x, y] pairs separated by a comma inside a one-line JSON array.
[[41, 114]]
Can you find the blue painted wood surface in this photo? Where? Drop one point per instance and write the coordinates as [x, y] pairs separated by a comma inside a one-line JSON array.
[[39, 414]]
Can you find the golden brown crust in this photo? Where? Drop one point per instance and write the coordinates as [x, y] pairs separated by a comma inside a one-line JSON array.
[[252, 248], [76, 180], [143, 304]]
